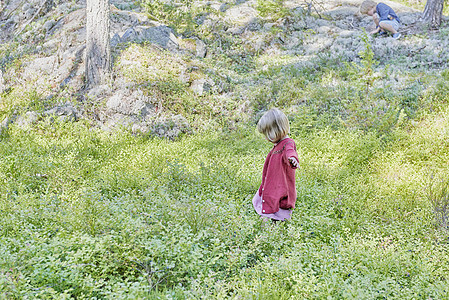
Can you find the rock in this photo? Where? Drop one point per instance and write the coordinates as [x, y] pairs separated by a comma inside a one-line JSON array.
[[223, 7], [48, 25], [197, 86], [268, 26], [127, 18], [115, 40], [324, 29], [208, 25], [51, 44], [194, 45], [409, 18], [65, 113], [255, 25], [319, 44], [159, 35], [320, 22], [162, 36], [300, 25], [170, 127], [342, 13], [129, 35], [26, 120], [201, 49], [140, 129], [347, 34], [41, 65], [236, 30], [240, 15], [130, 103], [257, 42], [29, 13], [16, 19], [119, 121], [200, 86], [99, 91], [26, 6]]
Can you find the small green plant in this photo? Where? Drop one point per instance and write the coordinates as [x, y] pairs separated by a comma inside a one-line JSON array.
[[438, 195], [183, 15], [273, 9], [364, 72], [368, 63]]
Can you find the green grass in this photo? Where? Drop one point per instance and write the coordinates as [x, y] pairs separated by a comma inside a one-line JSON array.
[[86, 213]]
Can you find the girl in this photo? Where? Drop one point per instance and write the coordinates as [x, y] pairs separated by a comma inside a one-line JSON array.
[[277, 193]]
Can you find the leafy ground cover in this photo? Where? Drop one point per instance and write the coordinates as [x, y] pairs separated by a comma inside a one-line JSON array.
[[92, 214]]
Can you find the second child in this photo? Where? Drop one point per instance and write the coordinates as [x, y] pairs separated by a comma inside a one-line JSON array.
[[384, 17]]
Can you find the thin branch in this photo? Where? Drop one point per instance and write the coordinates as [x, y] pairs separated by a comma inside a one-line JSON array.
[[34, 16]]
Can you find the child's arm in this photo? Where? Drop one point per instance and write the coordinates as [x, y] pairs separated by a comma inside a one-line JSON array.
[[292, 155], [293, 162], [376, 30], [376, 22]]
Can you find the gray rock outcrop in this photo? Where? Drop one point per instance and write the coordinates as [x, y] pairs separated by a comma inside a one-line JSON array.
[[64, 113]]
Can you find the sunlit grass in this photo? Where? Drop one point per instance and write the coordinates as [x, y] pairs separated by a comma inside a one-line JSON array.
[[178, 216]]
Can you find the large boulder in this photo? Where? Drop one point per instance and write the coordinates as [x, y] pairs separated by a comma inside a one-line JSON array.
[[159, 35], [130, 103]]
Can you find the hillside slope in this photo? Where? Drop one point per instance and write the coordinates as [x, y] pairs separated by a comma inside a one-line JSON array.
[[225, 61]]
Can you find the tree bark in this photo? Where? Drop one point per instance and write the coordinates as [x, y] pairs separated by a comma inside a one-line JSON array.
[[98, 50], [433, 13]]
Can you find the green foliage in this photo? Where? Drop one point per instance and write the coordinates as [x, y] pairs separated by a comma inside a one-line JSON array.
[[183, 15], [438, 195], [364, 73], [273, 9], [11, 53], [86, 214], [159, 76]]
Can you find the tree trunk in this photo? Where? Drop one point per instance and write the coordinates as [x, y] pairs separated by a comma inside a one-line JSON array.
[[433, 13], [98, 50]]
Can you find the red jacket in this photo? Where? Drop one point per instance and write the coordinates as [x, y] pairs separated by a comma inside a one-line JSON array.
[[278, 188]]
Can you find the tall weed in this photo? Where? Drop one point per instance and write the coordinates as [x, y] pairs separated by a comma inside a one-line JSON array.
[[438, 196]]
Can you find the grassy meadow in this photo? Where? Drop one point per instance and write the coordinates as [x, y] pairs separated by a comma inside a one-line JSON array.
[[93, 214]]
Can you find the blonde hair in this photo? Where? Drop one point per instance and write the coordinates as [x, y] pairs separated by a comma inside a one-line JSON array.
[[366, 6], [274, 125]]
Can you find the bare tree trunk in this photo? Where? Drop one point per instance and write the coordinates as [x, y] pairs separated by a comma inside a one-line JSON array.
[[98, 50], [433, 13]]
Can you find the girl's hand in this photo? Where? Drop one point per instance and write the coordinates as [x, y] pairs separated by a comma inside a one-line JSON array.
[[293, 162]]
